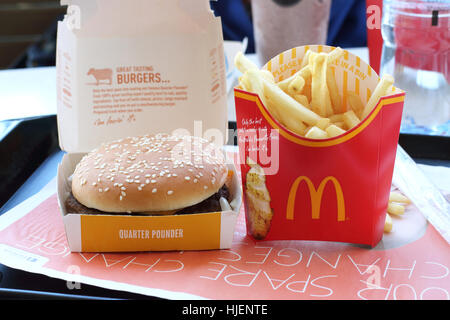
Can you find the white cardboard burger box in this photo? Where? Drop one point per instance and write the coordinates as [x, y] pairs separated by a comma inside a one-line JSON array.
[[115, 232], [162, 72], [133, 67]]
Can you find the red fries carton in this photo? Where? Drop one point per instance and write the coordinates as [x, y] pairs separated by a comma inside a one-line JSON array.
[[334, 189]]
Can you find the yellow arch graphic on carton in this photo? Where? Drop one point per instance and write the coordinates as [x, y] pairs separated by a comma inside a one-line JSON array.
[[318, 143], [316, 197]]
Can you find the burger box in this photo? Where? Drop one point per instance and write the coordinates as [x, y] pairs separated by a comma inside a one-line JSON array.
[[133, 66], [116, 232], [335, 189], [106, 72]]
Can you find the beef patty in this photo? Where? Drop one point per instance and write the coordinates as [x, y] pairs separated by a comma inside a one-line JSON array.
[[212, 204]]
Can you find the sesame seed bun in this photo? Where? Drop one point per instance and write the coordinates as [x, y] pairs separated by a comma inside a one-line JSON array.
[[149, 174]]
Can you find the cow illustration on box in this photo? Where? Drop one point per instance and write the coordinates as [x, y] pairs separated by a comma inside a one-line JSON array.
[[100, 75]]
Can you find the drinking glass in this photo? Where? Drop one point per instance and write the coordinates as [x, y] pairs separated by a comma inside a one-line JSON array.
[[416, 51]]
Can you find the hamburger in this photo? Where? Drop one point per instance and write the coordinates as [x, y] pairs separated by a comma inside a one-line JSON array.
[[151, 175]]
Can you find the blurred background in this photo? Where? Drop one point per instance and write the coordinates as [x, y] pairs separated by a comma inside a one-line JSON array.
[[407, 39], [28, 28], [28, 32]]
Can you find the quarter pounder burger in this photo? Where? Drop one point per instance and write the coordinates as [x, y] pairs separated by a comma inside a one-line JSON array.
[[152, 175]]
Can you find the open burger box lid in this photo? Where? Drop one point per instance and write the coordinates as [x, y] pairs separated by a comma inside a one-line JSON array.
[[112, 83]]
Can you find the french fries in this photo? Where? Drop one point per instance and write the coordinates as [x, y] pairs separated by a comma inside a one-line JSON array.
[[334, 131], [323, 123], [350, 119], [243, 64], [316, 133], [305, 73], [302, 99], [399, 198], [388, 223], [396, 207], [305, 60], [309, 102], [381, 90], [355, 103], [296, 85], [336, 98], [320, 97], [336, 118], [287, 106], [334, 55]]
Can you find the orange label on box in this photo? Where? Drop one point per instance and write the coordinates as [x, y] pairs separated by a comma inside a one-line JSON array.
[[122, 233]]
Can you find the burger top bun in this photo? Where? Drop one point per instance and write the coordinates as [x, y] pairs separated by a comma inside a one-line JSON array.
[[152, 173]]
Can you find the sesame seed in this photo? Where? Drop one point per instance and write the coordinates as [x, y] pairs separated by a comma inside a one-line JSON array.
[[123, 193], [153, 181], [169, 192], [100, 190], [205, 187], [147, 181], [154, 190], [106, 189], [187, 178], [139, 188], [94, 183], [195, 180]]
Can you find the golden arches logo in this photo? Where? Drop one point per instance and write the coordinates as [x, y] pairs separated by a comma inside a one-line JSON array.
[[316, 197]]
